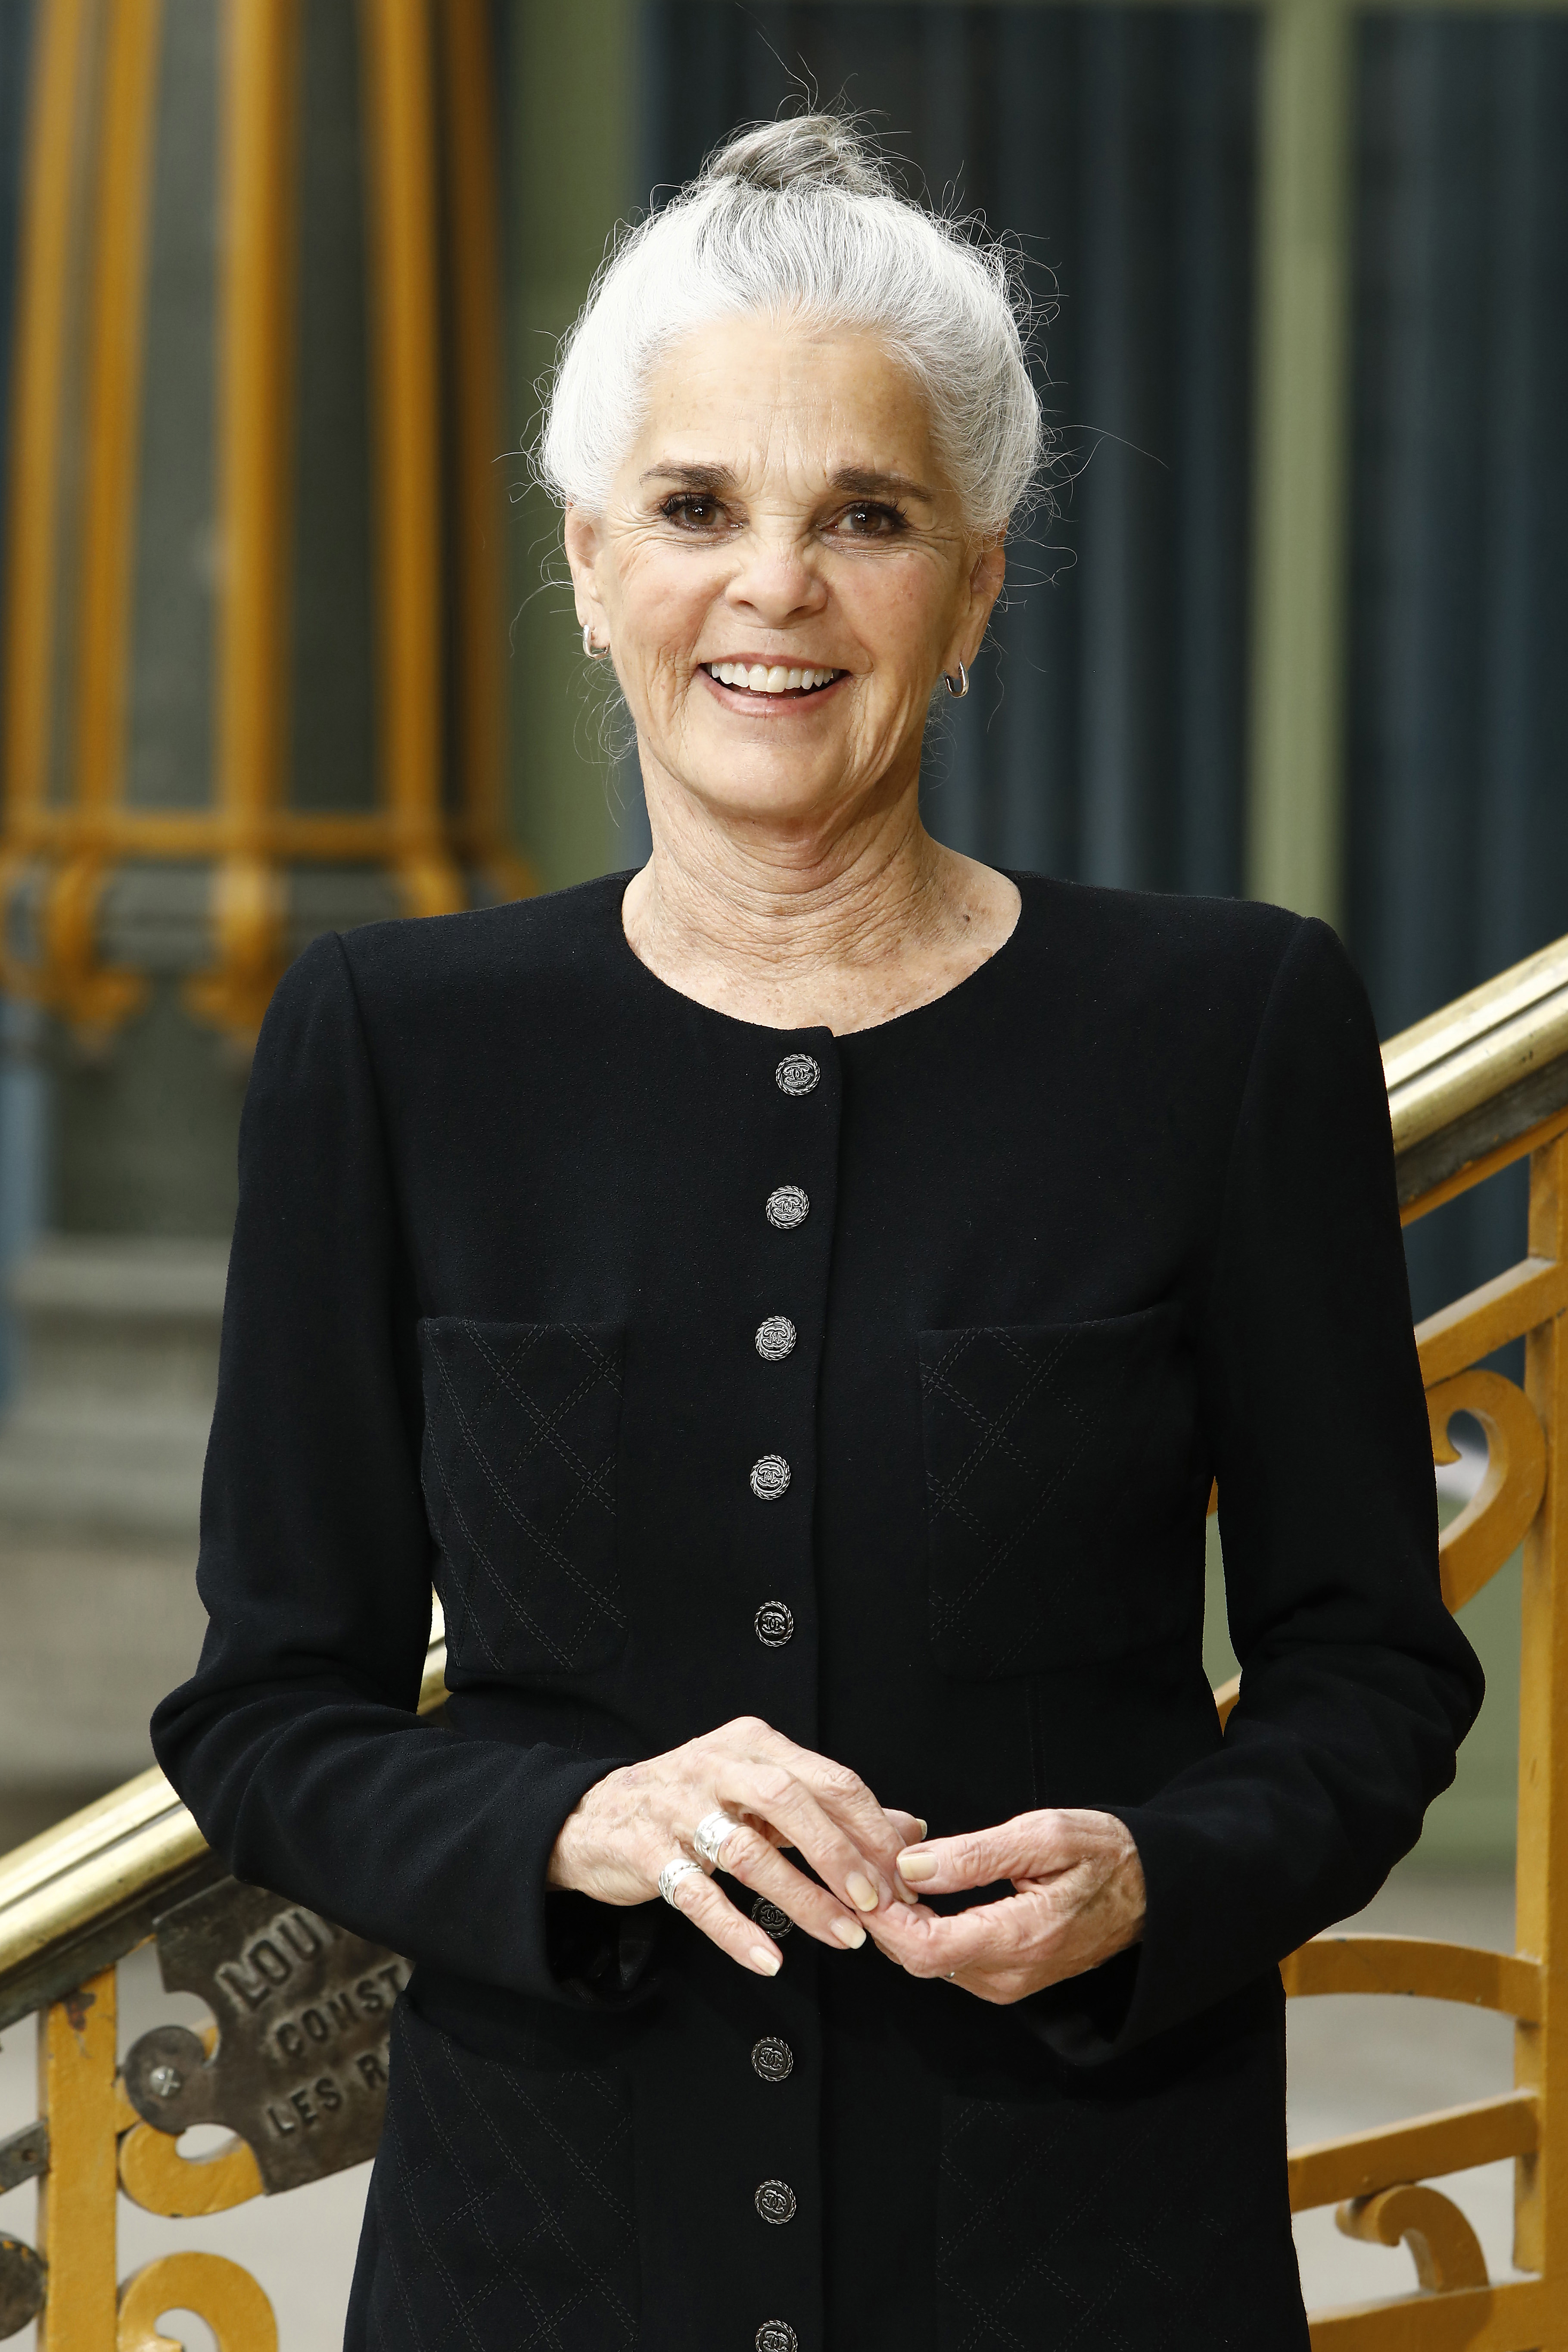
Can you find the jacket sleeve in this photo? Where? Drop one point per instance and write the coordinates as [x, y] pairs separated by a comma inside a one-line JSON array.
[[1356, 1685], [296, 1743]]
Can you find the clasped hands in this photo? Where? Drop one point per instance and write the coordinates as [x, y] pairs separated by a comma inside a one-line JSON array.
[[1078, 1886]]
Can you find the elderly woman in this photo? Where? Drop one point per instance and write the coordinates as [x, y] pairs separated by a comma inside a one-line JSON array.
[[795, 1301]]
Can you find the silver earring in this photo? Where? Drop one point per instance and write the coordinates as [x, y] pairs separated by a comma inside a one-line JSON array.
[[595, 653], [962, 689]]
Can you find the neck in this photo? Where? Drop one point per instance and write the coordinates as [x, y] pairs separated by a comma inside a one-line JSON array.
[[837, 922], [780, 901]]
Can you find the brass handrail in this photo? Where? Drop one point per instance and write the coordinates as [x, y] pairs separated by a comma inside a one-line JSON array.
[[1482, 1079], [80, 1895], [1493, 1066]]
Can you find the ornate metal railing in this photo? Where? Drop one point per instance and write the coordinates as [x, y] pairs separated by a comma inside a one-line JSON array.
[[294, 2063]]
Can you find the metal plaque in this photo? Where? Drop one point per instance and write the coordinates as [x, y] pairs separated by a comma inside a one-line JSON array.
[[303, 2011]]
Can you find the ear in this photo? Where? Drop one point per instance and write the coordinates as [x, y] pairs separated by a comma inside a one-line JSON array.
[[985, 586], [584, 539]]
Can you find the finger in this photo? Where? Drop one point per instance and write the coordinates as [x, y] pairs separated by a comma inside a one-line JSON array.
[[775, 1794], [749, 1856], [838, 1789], [710, 1910], [1031, 1845], [841, 1793], [990, 1938], [910, 1828]]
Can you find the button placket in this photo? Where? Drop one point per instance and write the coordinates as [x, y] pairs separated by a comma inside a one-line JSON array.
[[786, 1207], [775, 1342]]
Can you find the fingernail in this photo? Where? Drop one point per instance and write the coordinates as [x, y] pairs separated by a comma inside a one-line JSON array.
[[917, 1867], [861, 1892], [923, 1827], [849, 1933], [769, 1962]]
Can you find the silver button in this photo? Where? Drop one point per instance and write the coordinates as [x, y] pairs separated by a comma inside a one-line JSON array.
[[770, 1919], [770, 1478], [796, 1074], [788, 1207], [777, 2336], [772, 2059], [775, 1624], [776, 1339], [774, 2201]]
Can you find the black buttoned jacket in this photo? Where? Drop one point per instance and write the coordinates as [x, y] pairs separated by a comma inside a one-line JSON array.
[[1113, 1218]]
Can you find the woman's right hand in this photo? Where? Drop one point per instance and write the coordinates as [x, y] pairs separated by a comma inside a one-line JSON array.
[[635, 1821]]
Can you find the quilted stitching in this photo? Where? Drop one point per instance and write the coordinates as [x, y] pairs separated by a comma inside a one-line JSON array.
[[1075, 2225], [503, 2205], [521, 1425], [1033, 1436], [1044, 2239]]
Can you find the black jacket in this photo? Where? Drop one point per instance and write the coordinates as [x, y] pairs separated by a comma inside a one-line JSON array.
[[1115, 1217]]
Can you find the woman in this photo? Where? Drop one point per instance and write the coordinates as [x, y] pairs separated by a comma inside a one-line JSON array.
[[795, 1302]]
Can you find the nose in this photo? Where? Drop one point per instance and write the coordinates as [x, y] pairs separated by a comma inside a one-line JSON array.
[[774, 581]]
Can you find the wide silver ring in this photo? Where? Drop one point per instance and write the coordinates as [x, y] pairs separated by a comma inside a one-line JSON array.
[[710, 1834], [679, 1866]]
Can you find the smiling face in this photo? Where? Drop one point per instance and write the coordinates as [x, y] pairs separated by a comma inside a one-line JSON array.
[[781, 573]]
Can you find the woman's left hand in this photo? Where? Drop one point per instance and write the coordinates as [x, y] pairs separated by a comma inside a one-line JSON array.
[[1079, 1897]]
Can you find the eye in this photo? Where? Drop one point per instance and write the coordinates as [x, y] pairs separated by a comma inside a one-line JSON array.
[[692, 510], [870, 519]]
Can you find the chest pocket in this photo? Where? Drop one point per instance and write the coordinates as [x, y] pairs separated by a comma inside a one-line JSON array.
[[521, 1425], [1055, 1453]]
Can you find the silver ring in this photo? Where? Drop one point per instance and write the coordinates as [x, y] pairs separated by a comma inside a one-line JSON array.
[[962, 689], [679, 1866], [710, 1834]]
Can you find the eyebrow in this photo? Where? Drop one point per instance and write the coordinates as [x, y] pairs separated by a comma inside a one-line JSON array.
[[856, 481], [860, 482]]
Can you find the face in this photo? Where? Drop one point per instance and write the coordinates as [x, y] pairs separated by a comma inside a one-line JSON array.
[[782, 573]]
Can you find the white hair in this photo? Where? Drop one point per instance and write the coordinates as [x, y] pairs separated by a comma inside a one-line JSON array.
[[801, 217]]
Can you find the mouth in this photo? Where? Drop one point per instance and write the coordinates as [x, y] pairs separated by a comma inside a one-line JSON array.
[[762, 683]]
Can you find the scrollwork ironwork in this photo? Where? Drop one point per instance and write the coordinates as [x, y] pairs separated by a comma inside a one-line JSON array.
[[1494, 1522], [1446, 2250], [234, 2306]]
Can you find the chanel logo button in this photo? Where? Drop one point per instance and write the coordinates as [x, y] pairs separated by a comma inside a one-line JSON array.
[[796, 1074], [788, 1207], [775, 1624], [774, 2201], [775, 1339], [770, 1478], [772, 2059], [777, 2336], [770, 1919]]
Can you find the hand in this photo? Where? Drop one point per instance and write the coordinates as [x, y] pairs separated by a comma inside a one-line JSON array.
[[631, 1823], [1080, 1898]]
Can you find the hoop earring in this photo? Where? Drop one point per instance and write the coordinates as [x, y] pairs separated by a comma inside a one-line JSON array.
[[595, 653], [962, 689]]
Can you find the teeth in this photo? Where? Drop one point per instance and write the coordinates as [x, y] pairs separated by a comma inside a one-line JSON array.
[[759, 679]]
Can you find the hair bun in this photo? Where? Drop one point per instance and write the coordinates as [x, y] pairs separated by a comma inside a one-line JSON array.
[[822, 150]]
